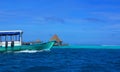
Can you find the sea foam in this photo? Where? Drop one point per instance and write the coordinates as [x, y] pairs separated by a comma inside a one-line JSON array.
[[30, 51]]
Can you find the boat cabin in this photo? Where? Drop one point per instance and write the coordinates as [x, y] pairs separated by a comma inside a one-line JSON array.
[[11, 38]]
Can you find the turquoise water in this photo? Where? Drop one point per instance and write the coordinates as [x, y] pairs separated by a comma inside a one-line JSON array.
[[62, 60], [90, 46]]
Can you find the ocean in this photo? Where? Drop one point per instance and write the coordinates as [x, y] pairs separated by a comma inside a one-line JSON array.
[[62, 60]]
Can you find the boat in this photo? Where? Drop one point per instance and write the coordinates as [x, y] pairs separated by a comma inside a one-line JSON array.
[[13, 41]]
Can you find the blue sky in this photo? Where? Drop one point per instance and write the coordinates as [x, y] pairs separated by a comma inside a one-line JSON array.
[[74, 21]]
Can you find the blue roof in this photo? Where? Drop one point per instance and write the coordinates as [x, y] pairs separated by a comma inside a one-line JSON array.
[[4, 33], [10, 33]]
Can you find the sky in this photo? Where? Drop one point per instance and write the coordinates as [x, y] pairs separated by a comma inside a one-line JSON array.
[[74, 21]]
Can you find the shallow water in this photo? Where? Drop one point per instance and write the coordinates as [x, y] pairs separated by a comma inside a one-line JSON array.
[[62, 60]]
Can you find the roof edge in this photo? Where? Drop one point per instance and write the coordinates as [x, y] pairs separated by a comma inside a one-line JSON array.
[[12, 31]]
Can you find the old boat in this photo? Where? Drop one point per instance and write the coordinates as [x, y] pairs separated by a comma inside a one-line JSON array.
[[12, 41]]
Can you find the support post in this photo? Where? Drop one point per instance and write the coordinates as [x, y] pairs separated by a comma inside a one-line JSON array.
[[20, 38]]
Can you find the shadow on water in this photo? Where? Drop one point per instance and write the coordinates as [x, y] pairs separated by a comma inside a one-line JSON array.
[[40, 69]]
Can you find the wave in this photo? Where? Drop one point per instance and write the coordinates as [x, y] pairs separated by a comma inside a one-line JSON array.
[[30, 51]]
